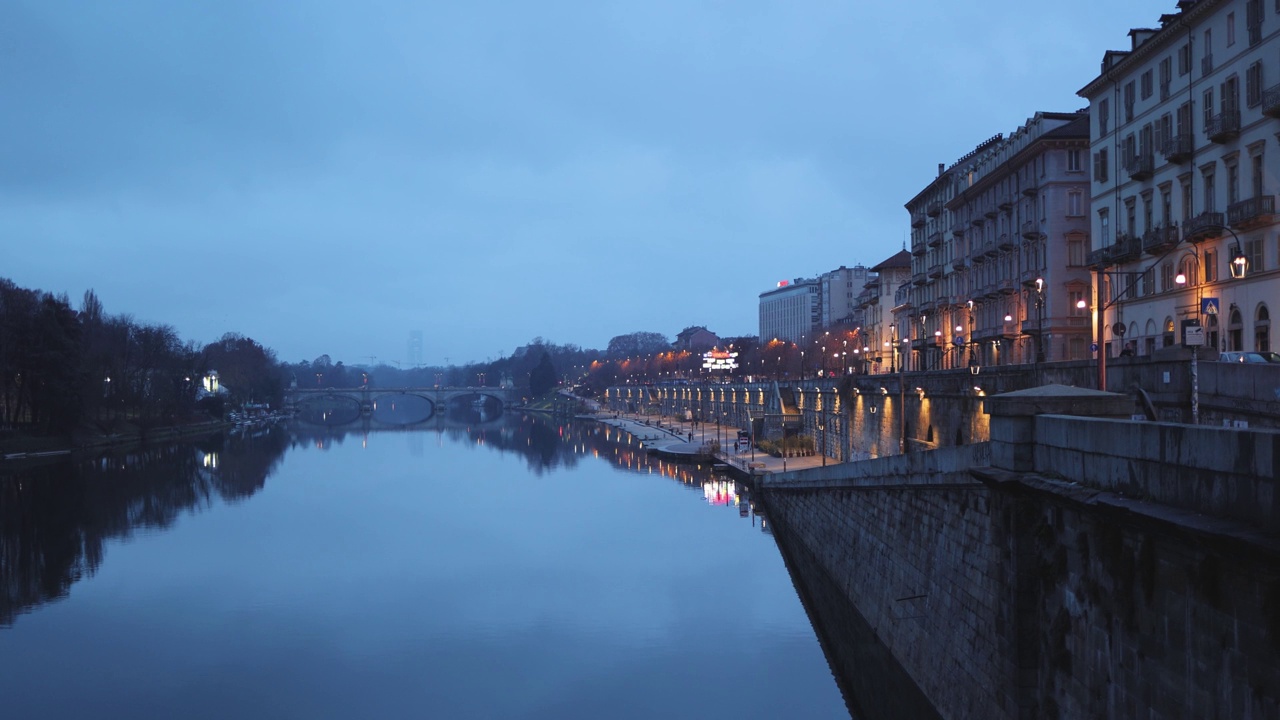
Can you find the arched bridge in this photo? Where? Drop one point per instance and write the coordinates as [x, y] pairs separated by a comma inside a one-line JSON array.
[[397, 406]]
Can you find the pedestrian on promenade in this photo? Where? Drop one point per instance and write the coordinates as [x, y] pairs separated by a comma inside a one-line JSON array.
[[690, 436]]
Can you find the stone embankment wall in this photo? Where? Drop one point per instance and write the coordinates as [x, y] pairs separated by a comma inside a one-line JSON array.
[[1033, 588]]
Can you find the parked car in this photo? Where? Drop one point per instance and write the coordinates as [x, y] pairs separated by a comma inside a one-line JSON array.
[[1243, 357], [1272, 357]]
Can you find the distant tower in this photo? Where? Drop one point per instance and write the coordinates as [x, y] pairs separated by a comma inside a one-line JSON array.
[[415, 348]]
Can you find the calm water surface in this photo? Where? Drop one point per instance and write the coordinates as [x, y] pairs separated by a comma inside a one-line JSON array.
[[525, 569]]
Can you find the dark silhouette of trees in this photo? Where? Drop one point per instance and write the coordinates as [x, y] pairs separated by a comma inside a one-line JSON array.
[[636, 344], [542, 377]]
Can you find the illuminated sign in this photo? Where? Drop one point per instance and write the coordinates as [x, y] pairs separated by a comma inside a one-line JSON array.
[[719, 360], [783, 283]]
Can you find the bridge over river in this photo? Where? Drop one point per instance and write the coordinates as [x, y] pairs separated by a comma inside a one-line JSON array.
[[398, 406]]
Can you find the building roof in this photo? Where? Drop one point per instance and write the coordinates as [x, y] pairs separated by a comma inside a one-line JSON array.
[[1144, 41], [901, 259]]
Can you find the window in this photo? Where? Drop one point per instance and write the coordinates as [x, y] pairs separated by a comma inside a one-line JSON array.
[[1166, 77], [1104, 224], [1073, 161], [1231, 94], [1075, 251], [1184, 57], [1076, 297], [1257, 176], [1253, 84], [1253, 251], [1075, 203], [1231, 29], [1208, 107], [1253, 21], [1146, 84], [1166, 205], [1206, 62], [1147, 211], [1166, 276], [1100, 165], [1210, 265], [1235, 330], [1130, 217], [1209, 191], [1128, 101], [1188, 207], [1104, 115], [1262, 330], [1184, 120], [1187, 269], [1149, 282], [1233, 184]]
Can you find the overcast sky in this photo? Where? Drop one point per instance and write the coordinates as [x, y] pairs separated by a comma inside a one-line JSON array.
[[326, 177]]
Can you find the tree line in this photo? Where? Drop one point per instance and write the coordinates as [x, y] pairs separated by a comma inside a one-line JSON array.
[[64, 370]]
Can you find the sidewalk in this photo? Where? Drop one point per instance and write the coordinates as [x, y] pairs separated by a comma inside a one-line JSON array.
[[671, 436]]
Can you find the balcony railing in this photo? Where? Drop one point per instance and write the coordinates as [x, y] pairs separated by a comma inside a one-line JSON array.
[[1006, 203], [958, 228], [1271, 101], [1205, 226], [919, 279], [917, 220], [1126, 248], [935, 238], [989, 247], [1251, 212], [934, 209], [919, 249], [1177, 148], [957, 263], [1031, 229], [935, 271], [902, 296], [991, 212], [1007, 286], [1140, 167], [1101, 256], [978, 257], [1158, 239], [1223, 127], [1031, 190]]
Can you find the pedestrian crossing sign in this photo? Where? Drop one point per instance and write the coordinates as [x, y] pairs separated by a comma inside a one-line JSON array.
[[1209, 306]]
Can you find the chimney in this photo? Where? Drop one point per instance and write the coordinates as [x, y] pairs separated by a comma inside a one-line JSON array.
[[942, 167]]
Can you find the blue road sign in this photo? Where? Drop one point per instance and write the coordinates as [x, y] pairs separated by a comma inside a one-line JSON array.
[[1209, 306], [1093, 347]]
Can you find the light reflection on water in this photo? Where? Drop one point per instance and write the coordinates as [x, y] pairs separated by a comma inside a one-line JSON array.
[[528, 570]]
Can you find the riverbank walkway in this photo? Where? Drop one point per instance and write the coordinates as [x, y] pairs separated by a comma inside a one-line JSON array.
[[671, 437]]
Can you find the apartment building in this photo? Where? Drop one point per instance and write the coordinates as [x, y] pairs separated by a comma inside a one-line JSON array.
[[792, 311], [999, 242], [876, 303], [840, 289], [1185, 161]]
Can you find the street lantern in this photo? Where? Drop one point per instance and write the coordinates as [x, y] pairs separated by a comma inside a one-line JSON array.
[[1239, 263]]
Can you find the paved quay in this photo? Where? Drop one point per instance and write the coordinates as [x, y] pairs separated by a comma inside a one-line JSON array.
[[670, 436]]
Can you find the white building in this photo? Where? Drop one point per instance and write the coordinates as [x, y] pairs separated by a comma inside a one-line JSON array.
[[792, 311], [840, 288], [889, 277], [1185, 159]]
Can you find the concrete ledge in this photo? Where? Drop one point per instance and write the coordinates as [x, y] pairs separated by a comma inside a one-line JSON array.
[[949, 465]]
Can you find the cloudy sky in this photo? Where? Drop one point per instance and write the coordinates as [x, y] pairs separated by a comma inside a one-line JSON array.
[[327, 177]]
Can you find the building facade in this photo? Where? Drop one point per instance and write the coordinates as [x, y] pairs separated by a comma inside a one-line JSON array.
[[792, 311], [999, 244], [879, 350], [840, 289], [1185, 162]]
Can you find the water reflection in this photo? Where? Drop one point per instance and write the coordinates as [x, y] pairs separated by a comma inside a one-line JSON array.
[[55, 518]]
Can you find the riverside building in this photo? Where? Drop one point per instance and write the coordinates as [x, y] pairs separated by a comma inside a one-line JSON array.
[[1184, 176], [792, 311], [998, 248]]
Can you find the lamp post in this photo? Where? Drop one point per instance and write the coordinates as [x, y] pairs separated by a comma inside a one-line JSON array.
[[1039, 320], [1182, 279]]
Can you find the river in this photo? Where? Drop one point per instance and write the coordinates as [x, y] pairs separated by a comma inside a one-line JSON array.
[[523, 568]]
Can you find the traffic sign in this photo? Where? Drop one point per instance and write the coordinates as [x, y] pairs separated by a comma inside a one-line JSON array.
[[1209, 306], [1093, 347]]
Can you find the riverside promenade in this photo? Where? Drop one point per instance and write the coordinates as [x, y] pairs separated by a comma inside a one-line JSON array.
[[670, 437]]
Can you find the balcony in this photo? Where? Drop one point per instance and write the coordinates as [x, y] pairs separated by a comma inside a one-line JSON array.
[[919, 250], [1028, 277], [1271, 101], [1007, 242], [1223, 127], [926, 306], [977, 221], [917, 220], [957, 263], [1205, 226], [1158, 239], [958, 228], [1006, 203], [935, 238], [1030, 327], [1140, 167], [1130, 247], [989, 248], [1177, 148], [919, 279], [935, 271], [1252, 212], [1031, 229], [934, 209], [978, 257], [1007, 286], [990, 290], [1096, 258], [991, 212]]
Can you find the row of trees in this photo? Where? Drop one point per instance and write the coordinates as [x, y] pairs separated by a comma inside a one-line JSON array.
[[63, 369]]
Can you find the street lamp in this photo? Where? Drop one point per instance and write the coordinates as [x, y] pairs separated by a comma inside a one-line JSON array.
[[1039, 320], [1181, 279]]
